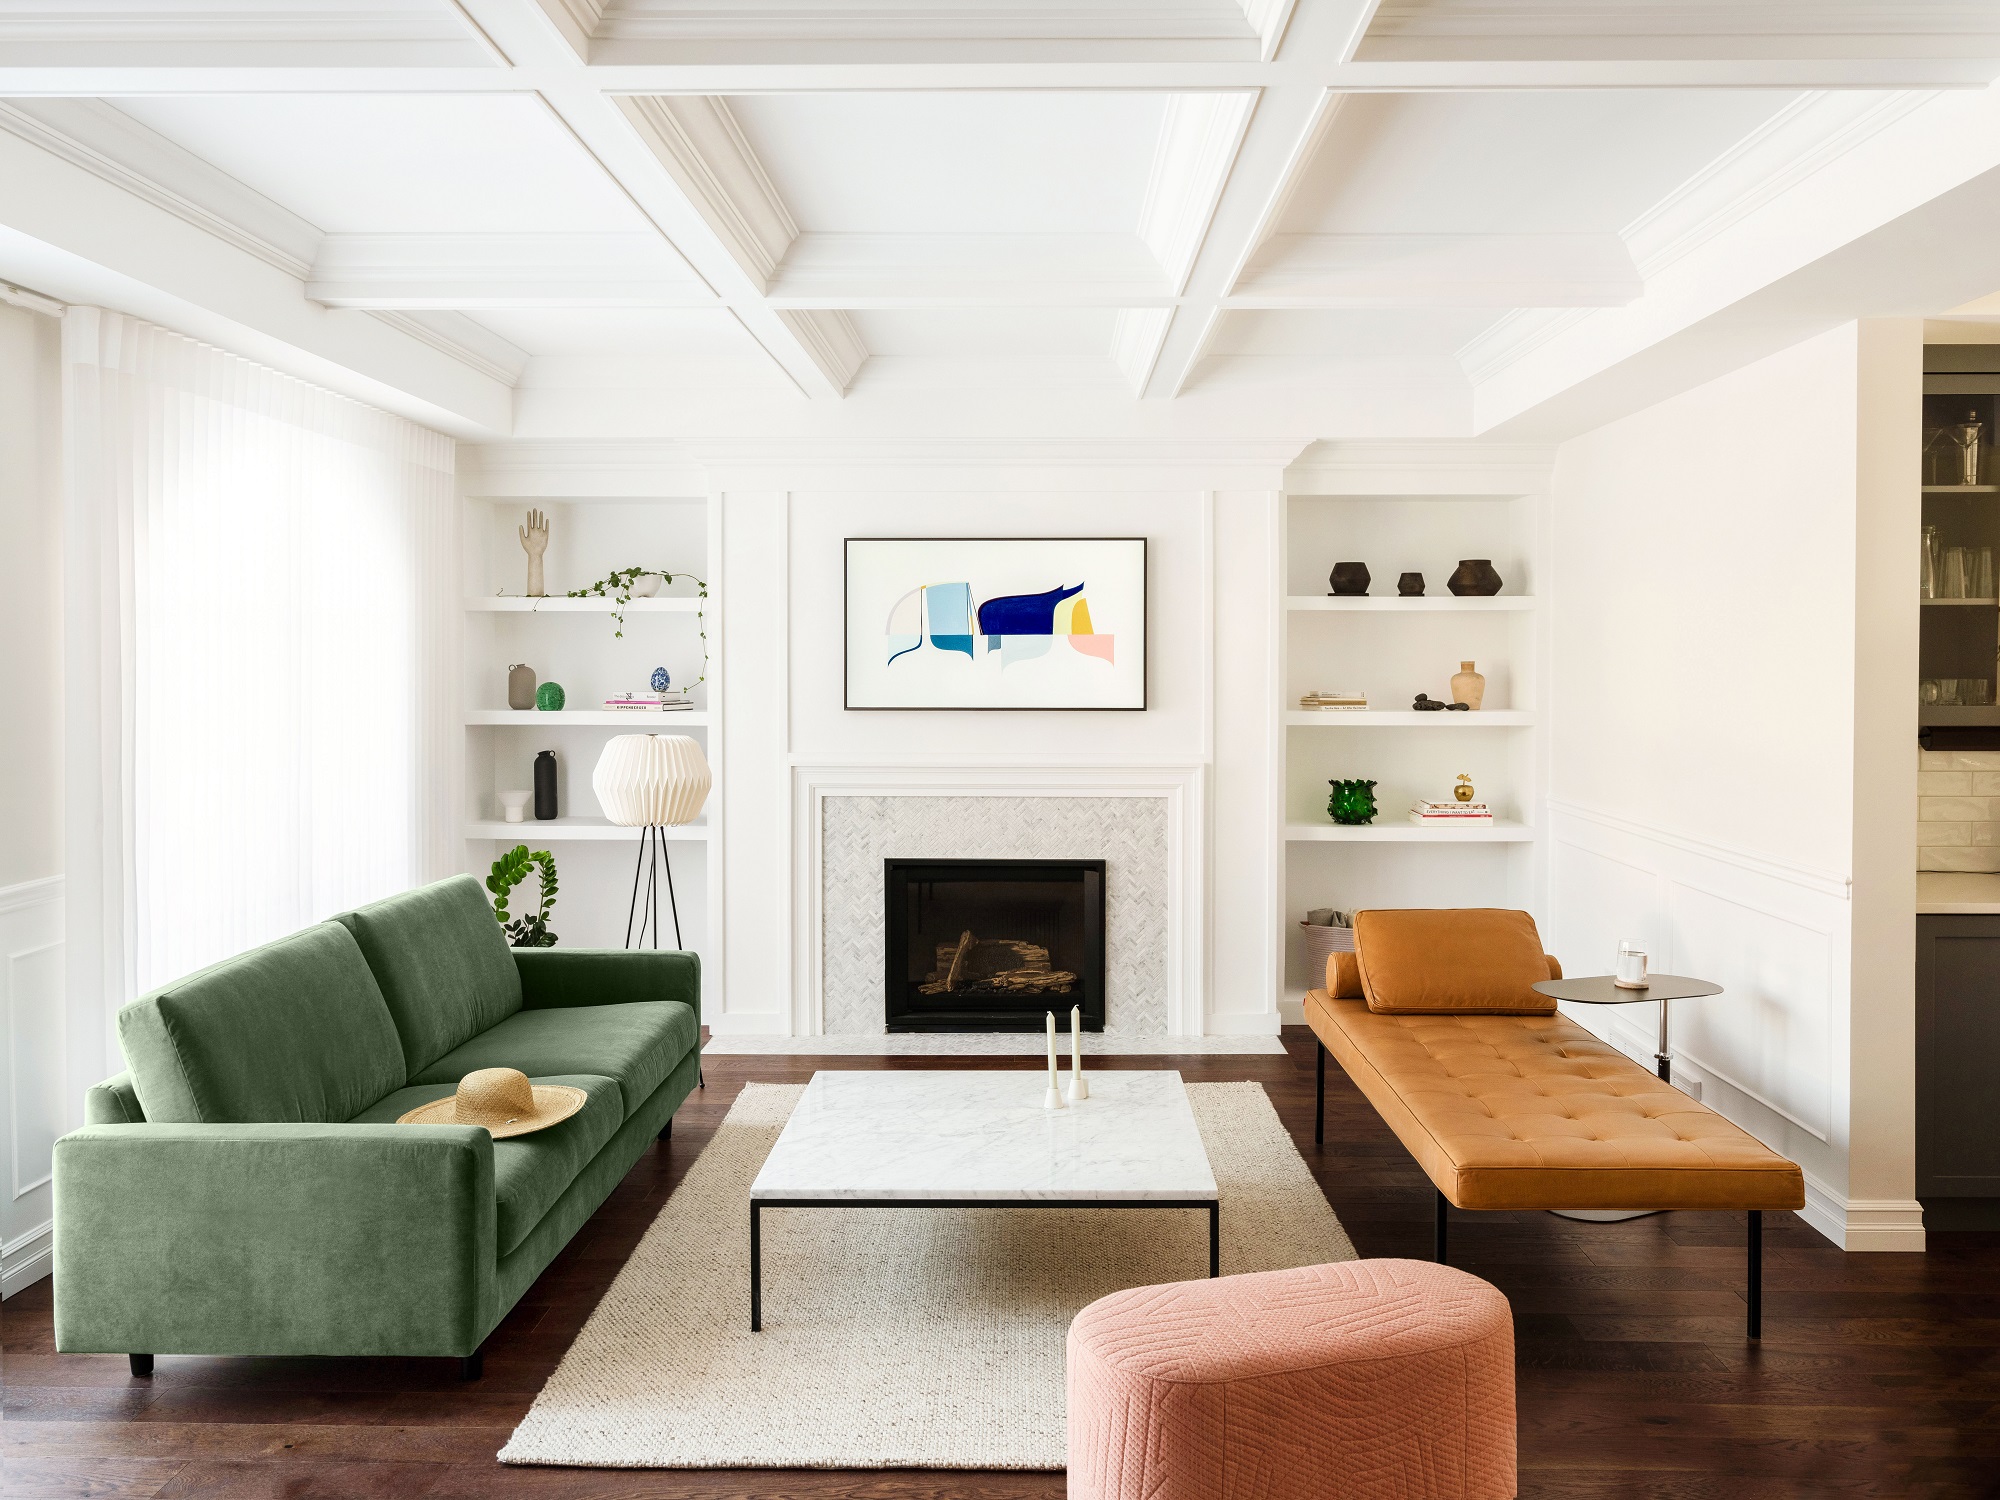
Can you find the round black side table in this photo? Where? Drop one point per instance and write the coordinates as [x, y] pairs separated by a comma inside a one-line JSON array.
[[1600, 989]]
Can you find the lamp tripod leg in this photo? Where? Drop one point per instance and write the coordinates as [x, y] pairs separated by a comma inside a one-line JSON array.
[[672, 905], [632, 907], [653, 885]]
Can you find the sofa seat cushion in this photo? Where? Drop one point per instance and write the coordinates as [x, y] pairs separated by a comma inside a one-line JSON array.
[[1535, 1112], [443, 963], [292, 1033], [636, 1043], [529, 1171]]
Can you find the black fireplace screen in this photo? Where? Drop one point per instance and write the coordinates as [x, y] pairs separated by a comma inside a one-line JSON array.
[[991, 944]]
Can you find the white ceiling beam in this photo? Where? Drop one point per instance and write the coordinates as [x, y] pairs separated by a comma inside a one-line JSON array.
[[470, 271], [1439, 270], [818, 352], [705, 151], [1199, 137], [790, 76]]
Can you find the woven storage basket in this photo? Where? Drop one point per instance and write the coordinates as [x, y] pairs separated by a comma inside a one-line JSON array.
[[1320, 941]]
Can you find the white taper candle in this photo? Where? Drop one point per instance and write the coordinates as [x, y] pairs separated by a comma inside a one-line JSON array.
[[1052, 1049], [1075, 1040]]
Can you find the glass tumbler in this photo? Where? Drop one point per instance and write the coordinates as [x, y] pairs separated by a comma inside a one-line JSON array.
[[1930, 574], [1953, 586]]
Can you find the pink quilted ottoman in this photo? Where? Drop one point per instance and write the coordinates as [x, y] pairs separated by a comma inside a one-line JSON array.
[[1371, 1378]]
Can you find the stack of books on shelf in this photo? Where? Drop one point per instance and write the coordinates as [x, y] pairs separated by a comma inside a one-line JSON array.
[[1349, 702], [1451, 814], [650, 702]]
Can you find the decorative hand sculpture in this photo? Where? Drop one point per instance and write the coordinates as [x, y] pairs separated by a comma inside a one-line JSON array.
[[534, 542]]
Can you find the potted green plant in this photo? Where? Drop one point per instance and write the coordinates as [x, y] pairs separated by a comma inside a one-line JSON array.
[[509, 870]]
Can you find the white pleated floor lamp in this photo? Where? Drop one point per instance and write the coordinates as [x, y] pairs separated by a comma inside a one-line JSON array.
[[652, 782]]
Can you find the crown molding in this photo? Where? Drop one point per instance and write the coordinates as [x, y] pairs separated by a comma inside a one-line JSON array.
[[1515, 336], [1447, 466], [57, 34], [1812, 132], [1439, 270], [110, 145], [1136, 336], [472, 344], [1200, 135], [830, 340], [502, 270], [702, 148]]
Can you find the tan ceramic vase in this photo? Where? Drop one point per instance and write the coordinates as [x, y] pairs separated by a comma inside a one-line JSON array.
[[1467, 686]]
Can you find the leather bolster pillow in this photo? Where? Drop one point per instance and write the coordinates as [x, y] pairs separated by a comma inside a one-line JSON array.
[[1461, 960]]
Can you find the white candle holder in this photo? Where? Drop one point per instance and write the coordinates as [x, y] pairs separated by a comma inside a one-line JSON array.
[[1052, 1098]]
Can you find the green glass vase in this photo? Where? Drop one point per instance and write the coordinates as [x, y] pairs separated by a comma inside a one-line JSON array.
[[549, 697], [1351, 802]]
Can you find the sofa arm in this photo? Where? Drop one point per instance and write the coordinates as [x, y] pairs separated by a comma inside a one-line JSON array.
[[274, 1239], [557, 977]]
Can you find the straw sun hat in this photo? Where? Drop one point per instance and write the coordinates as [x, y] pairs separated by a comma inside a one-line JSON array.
[[503, 1101]]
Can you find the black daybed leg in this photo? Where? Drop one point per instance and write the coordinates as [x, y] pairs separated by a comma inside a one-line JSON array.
[[473, 1365], [142, 1365], [1756, 1273], [1319, 1092], [1437, 1240]]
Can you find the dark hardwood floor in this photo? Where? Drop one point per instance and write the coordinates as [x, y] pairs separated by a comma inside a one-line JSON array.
[[1878, 1375]]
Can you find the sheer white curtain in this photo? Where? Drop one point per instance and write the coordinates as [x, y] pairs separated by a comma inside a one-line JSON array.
[[272, 597]]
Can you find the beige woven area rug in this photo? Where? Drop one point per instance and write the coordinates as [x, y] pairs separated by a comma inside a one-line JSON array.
[[893, 1338]]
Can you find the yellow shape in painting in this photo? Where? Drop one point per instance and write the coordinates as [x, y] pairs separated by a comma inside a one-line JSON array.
[[1079, 617]]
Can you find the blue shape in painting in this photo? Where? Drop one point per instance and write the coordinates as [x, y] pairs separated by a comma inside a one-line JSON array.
[[943, 611], [662, 682], [1022, 614], [950, 608], [1017, 648]]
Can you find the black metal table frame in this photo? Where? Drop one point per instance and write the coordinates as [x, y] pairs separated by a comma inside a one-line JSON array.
[[758, 1205]]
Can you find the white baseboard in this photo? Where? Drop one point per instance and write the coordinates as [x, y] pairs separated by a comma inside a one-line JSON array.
[[26, 1260], [1243, 1023], [1292, 1012], [1863, 1224]]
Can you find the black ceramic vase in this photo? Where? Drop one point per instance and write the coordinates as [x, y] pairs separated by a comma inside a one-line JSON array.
[[545, 785], [1348, 580], [1475, 578], [1411, 585]]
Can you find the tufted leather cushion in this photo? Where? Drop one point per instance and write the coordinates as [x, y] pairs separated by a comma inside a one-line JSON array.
[[1453, 960], [1535, 1112], [1367, 1380]]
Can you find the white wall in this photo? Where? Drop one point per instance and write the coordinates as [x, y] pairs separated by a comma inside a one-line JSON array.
[[1733, 636], [31, 953]]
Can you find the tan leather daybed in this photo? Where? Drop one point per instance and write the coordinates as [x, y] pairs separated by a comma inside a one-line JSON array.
[[1507, 1105]]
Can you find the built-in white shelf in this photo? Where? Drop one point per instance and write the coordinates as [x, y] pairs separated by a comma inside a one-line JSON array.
[[1306, 603], [1929, 602], [1409, 718], [1402, 831], [517, 604], [1962, 489], [531, 830], [638, 720]]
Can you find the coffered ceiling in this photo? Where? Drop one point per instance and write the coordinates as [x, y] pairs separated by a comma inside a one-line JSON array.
[[789, 197]]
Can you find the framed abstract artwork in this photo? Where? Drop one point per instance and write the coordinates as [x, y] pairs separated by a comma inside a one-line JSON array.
[[996, 623]]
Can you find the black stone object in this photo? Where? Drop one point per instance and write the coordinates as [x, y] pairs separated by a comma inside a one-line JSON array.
[[1474, 578], [1348, 580], [1426, 704], [1411, 585], [545, 785]]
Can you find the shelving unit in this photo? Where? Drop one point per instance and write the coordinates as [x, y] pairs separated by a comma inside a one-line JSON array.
[[1392, 648], [575, 642]]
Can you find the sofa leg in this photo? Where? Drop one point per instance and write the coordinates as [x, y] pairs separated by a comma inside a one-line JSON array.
[[1437, 1238], [473, 1365], [1319, 1092], [142, 1365], [667, 1130], [1756, 1279]]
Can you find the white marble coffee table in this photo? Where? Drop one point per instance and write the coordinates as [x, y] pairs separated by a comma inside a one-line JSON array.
[[983, 1140]]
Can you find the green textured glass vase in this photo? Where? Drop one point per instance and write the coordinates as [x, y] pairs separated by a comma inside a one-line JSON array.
[[1351, 802], [549, 697]]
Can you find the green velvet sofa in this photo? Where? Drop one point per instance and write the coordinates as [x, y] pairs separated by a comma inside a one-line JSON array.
[[244, 1188]]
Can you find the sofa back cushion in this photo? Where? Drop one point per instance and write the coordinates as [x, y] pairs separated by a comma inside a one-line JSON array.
[[443, 964], [294, 1032], [1460, 960]]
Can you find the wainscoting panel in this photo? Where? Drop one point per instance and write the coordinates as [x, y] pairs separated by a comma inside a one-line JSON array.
[[32, 1112]]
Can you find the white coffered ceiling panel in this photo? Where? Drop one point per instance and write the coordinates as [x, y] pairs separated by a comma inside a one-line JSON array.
[[401, 163], [989, 332], [664, 333], [245, 32]]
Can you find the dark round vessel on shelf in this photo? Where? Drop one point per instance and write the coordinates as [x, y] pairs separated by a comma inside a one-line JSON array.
[[1348, 580], [1411, 586], [1474, 578]]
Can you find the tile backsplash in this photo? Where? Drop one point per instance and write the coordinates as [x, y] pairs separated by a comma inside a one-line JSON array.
[[1958, 810]]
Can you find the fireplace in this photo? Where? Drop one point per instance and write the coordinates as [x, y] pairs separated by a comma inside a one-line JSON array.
[[991, 944]]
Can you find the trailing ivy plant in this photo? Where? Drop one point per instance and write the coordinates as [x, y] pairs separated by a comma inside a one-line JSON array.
[[509, 870], [617, 586]]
